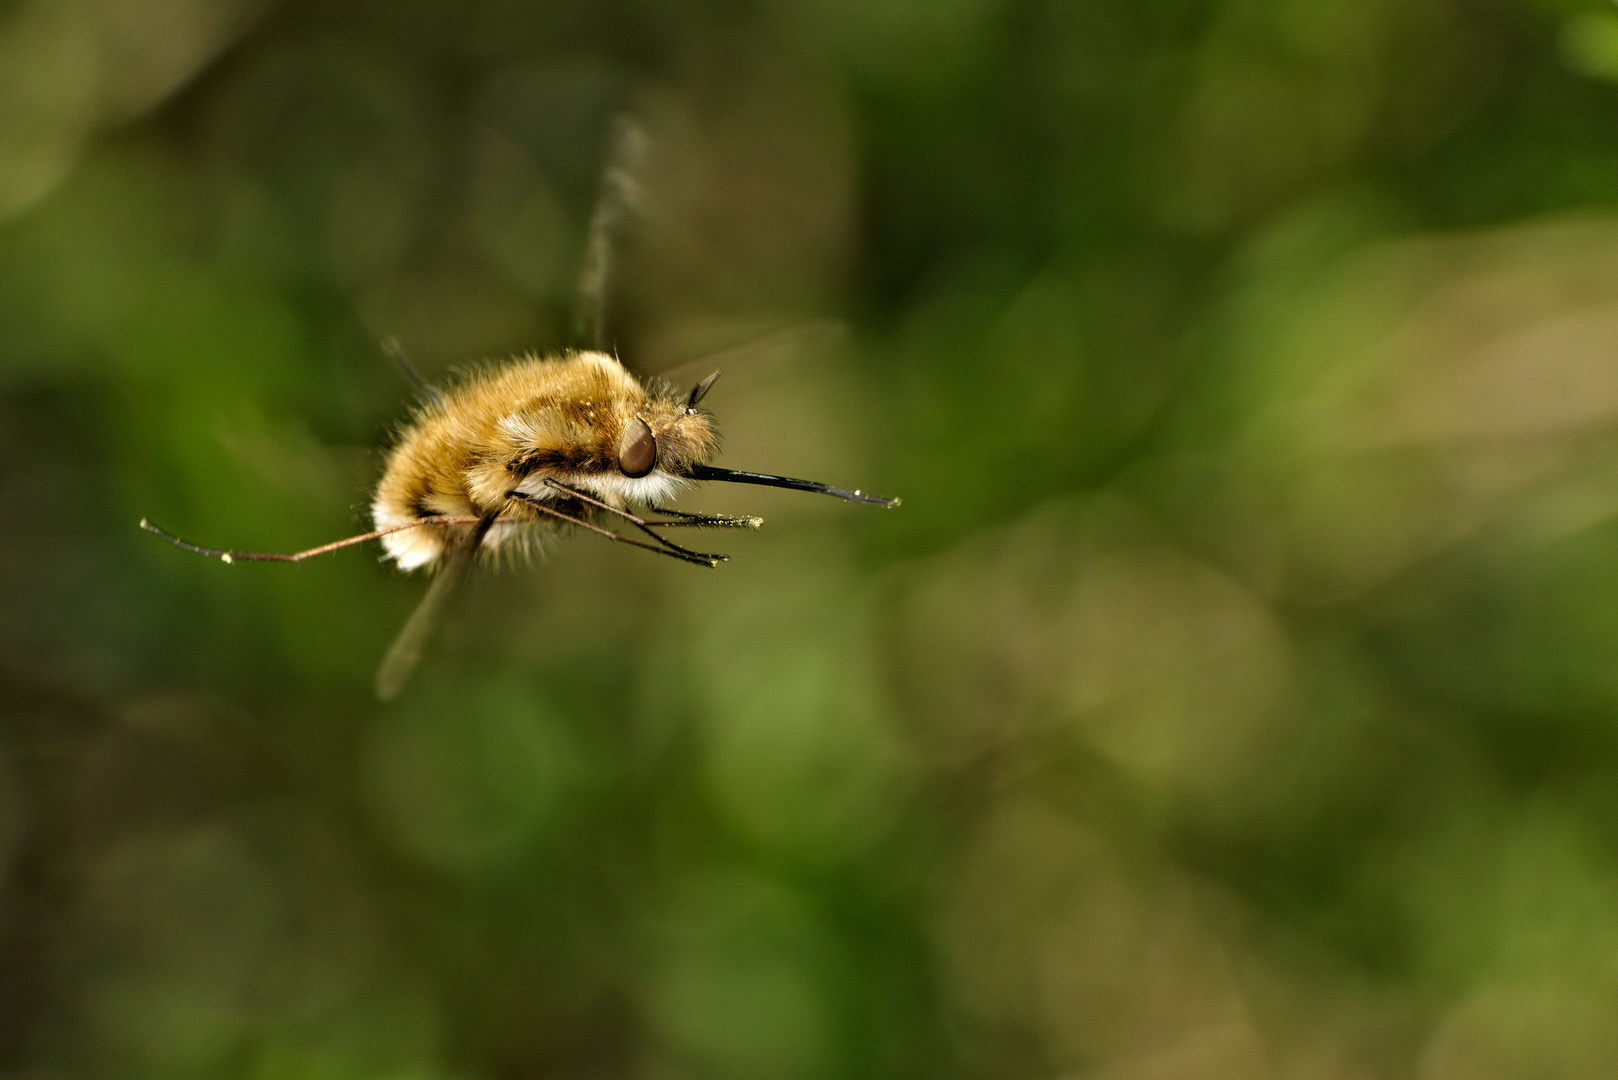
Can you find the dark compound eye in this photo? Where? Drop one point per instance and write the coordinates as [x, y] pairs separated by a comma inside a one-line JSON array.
[[637, 454]]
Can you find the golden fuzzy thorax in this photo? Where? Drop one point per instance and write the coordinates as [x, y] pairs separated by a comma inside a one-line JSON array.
[[513, 428]]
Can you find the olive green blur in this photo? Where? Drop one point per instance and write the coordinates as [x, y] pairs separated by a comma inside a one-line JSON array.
[[1233, 697]]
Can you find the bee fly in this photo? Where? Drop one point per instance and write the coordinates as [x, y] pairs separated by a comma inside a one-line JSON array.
[[531, 448]]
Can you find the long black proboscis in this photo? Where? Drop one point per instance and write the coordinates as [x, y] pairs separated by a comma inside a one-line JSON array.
[[711, 472]]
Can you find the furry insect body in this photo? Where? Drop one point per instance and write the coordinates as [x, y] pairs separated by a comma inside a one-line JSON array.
[[529, 444]]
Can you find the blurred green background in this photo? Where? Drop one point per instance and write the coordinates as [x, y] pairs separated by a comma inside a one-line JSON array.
[[1234, 696]]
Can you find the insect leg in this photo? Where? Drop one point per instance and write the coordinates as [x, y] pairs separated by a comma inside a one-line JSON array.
[[640, 523], [705, 521], [299, 556], [673, 551]]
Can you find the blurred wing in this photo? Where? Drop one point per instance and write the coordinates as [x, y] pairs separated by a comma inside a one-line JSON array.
[[618, 198], [407, 649], [784, 348]]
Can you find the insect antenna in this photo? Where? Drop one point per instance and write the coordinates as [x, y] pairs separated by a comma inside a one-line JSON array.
[[710, 472], [298, 556], [698, 392]]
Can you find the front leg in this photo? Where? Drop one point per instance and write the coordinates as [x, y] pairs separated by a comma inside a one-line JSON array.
[[662, 547], [639, 522], [706, 521]]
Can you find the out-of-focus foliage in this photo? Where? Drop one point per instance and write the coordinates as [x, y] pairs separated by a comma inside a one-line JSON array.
[[1234, 696]]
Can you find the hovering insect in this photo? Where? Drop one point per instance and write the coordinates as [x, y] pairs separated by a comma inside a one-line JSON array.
[[517, 452], [537, 446]]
